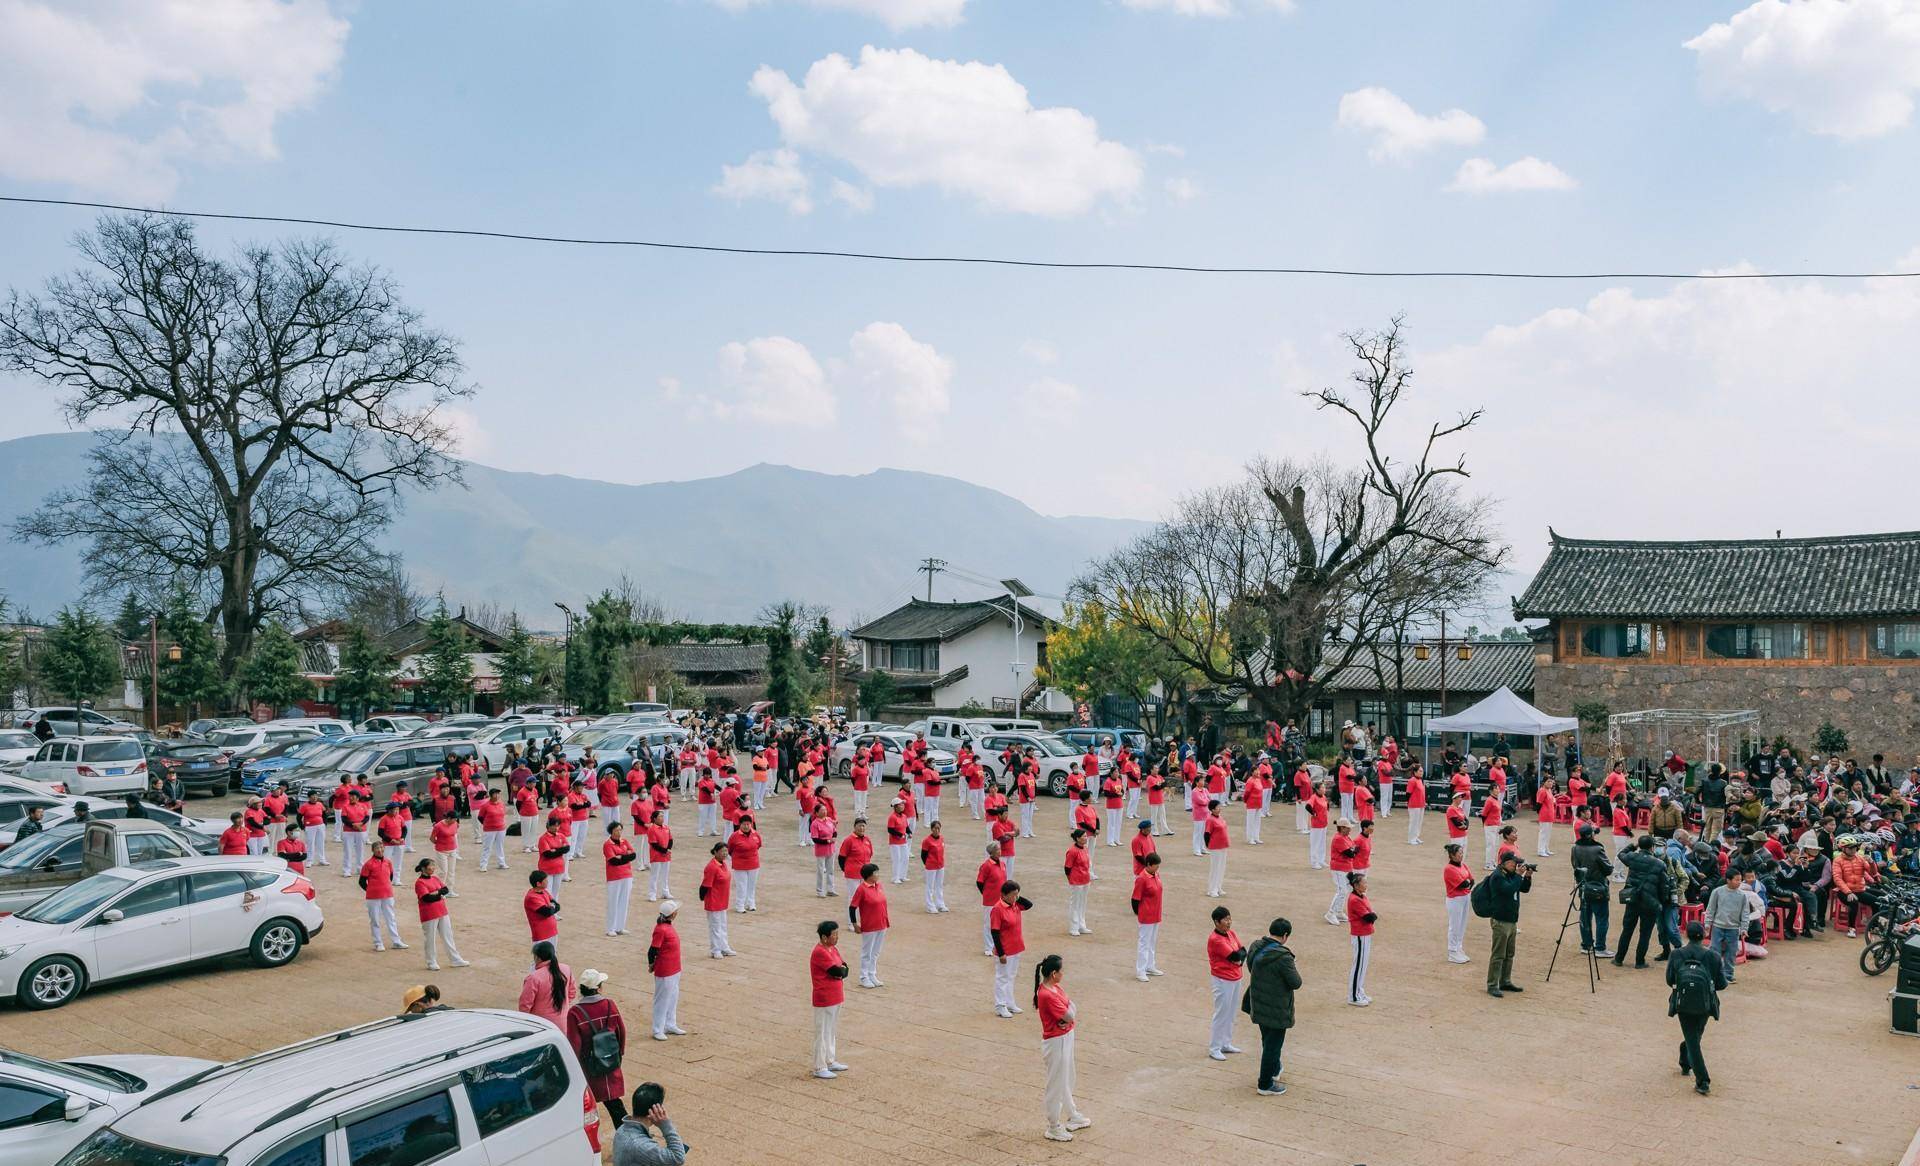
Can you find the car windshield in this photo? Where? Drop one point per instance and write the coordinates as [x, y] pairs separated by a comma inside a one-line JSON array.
[[89, 1074], [30, 853], [69, 903], [12, 740], [357, 761], [110, 1148], [111, 751], [232, 737], [307, 750], [408, 724], [1055, 747]]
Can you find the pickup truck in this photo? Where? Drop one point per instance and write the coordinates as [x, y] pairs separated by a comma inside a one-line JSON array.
[[52, 859]]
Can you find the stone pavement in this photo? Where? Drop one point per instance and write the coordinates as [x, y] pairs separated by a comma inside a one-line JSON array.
[[1805, 1070]]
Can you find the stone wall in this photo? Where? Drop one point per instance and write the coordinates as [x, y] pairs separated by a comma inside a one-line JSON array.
[[1875, 705]]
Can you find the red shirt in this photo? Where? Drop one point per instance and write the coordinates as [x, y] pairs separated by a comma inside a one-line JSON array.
[[429, 911], [609, 792], [1622, 823], [1545, 800], [542, 927], [610, 850], [859, 775], [1114, 791], [855, 852], [744, 849], [1079, 866], [1362, 850], [1216, 833], [897, 829], [233, 840], [527, 804], [989, 879], [933, 853], [704, 791], [446, 836], [353, 818], [827, 991], [552, 840], [1156, 790], [665, 945], [379, 875], [869, 906], [1363, 803], [730, 803], [1344, 777], [312, 814], [1577, 789], [1317, 812], [1005, 833], [1005, 925], [1490, 811], [1220, 946], [716, 885], [1146, 892], [1457, 821], [1416, 793], [659, 843], [1142, 845], [1458, 880], [1357, 910], [1340, 852], [293, 846], [492, 815], [1253, 794], [1052, 1005], [1087, 818]]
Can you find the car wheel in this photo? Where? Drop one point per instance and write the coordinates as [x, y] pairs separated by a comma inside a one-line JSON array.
[[51, 982], [1057, 784], [276, 943], [846, 768]]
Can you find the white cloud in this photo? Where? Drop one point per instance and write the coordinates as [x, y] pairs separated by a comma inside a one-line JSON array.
[[1845, 69], [856, 198], [1051, 400], [1039, 352], [896, 14], [905, 120], [1481, 176], [774, 380], [911, 377], [1206, 7], [1183, 189], [768, 174], [114, 96], [1398, 131]]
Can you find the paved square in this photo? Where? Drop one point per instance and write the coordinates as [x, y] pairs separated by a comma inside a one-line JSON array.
[[1435, 1071]]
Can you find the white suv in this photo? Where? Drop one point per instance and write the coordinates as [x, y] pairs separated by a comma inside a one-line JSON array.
[[51, 1106], [90, 765], [463, 1087]]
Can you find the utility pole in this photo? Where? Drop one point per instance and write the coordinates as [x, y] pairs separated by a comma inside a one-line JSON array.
[[931, 567], [153, 663]]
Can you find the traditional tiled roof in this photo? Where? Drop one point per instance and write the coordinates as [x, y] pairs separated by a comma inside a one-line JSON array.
[[1495, 663], [923, 620], [1847, 577], [698, 658]]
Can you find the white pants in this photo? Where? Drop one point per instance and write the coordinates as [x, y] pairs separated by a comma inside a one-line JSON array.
[[1341, 889], [1362, 951], [936, 889], [1457, 925], [826, 1032], [898, 853], [609, 816], [1317, 848], [577, 834], [709, 818], [493, 848], [406, 837], [805, 837], [1226, 1002], [1133, 803], [977, 803], [745, 883], [1546, 839], [619, 894], [1253, 826], [1620, 845], [1026, 819], [1492, 834], [1146, 952], [1216, 872], [380, 914], [1300, 817], [1414, 818], [1113, 827], [316, 841], [929, 807], [1076, 909], [726, 829], [686, 776], [1006, 863], [529, 830], [438, 933], [870, 945], [859, 803], [1386, 798], [717, 933], [449, 862], [1346, 805], [1004, 974], [666, 1003], [1159, 816], [759, 795], [986, 930], [1200, 836], [657, 881], [1056, 1053], [823, 875], [354, 844]]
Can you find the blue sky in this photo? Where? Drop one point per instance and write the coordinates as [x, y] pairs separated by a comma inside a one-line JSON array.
[[1783, 139]]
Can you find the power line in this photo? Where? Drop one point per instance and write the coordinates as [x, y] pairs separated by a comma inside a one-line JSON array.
[[959, 260]]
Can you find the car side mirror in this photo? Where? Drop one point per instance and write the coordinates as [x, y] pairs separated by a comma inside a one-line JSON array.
[[52, 863], [113, 916], [76, 1107]]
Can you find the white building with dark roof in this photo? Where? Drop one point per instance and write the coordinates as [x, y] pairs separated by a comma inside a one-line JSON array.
[[947, 655]]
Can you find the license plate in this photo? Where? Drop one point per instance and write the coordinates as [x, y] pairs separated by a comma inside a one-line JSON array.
[[115, 772]]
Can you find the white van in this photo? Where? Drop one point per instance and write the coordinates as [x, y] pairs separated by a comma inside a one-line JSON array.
[[948, 732], [460, 1087]]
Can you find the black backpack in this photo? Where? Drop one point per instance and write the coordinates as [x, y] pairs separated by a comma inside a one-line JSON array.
[[1482, 898], [601, 1056], [1692, 989]]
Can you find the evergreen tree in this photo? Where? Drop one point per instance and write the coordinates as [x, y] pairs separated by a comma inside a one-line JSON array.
[[13, 669], [131, 623], [271, 674], [364, 679], [518, 665], [79, 659], [446, 671], [193, 681], [598, 642], [786, 674]]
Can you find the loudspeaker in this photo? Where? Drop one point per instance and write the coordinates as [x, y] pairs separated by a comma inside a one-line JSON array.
[[1906, 1012]]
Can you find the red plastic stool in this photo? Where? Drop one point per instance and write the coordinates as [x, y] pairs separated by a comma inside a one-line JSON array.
[[1692, 913], [1776, 927], [1642, 819]]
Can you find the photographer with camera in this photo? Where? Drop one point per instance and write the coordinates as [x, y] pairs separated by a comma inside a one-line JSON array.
[[1592, 870], [1510, 879]]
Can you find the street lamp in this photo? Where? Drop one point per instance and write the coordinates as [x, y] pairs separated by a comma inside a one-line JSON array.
[[1463, 651], [1016, 591], [566, 657]]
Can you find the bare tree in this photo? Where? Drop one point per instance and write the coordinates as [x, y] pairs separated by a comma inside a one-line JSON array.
[[271, 408], [1274, 584], [380, 597]]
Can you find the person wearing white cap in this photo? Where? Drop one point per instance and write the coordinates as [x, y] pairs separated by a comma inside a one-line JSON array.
[[663, 959]]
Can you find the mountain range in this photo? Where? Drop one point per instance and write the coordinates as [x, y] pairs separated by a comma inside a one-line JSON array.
[[713, 549]]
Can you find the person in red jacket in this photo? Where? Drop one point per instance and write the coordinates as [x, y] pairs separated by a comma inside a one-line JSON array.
[[1146, 899], [354, 820], [312, 817], [233, 840], [254, 819], [1003, 832], [376, 879], [716, 892], [1086, 818], [1360, 920], [1157, 799], [988, 880], [1340, 862], [663, 959], [491, 816], [899, 831], [1225, 955], [553, 848], [1079, 871], [933, 863], [867, 910], [1253, 796], [828, 970], [541, 908], [1056, 1049], [1490, 824], [1456, 878], [856, 851], [1009, 940], [659, 861], [1416, 802], [436, 925], [292, 849], [1363, 800], [743, 847], [445, 837], [1114, 791], [1217, 842], [1142, 845], [526, 804], [1317, 810], [619, 856], [608, 789]]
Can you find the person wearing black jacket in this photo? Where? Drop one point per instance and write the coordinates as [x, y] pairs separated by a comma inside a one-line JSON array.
[[1690, 1005], [1592, 870], [1712, 792], [1506, 884], [1645, 896], [1272, 979]]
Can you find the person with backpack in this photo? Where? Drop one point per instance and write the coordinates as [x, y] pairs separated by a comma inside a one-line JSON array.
[[1497, 897], [599, 1040], [1696, 975]]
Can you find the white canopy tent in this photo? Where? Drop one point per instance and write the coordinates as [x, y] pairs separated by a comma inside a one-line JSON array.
[[1502, 711]]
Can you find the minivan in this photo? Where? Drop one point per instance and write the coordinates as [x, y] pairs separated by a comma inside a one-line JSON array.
[[949, 732], [461, 1086], [386, 764]]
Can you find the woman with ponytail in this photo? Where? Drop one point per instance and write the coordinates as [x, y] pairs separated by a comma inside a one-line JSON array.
[[431, 894], [1056, 1049], [549, 987]]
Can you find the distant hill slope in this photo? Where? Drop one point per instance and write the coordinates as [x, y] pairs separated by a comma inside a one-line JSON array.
[[712, 549]]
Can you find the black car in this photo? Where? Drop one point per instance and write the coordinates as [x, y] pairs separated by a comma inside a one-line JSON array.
[[201, 768]]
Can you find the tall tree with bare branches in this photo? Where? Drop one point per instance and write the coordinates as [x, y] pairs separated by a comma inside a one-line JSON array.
[[1275, 583], [269, 407]]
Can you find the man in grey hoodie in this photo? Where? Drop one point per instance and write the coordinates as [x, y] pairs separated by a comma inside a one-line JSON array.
[[633, 1143]]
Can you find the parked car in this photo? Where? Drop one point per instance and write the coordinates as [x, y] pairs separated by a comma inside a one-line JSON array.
[[17, 746], [325, 726], [53, 1106], [252, 742], [15, 785], [200, 767], [615, 746], [396, 723], [202, 728], [131, 921], [14, 807], [386, 764], [949, 732], [66, 721], [494, 739], [463, 1087], [894, 742], [66, 854], [647, 706], [1084, 739], [1055, 756], [106, 808], [262, 773], [90, 765]]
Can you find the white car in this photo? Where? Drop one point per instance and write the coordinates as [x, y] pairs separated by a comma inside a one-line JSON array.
[[49, 1107], [494, 739], [62, 811], [17, 746], [894, 742], [325, 726], [66, 721], [460, 1087], [1055, 756], [393, 723], [90, 765], [131, 921]]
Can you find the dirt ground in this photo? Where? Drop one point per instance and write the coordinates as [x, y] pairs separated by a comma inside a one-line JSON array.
[[1435, 1071]]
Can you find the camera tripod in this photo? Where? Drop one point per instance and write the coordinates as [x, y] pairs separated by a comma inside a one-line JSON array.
[[1593, 961]]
